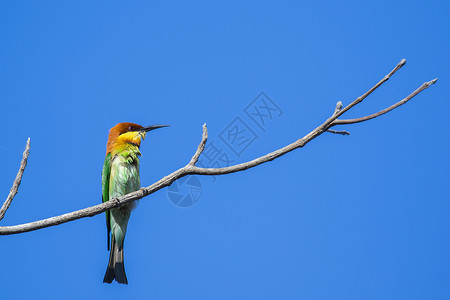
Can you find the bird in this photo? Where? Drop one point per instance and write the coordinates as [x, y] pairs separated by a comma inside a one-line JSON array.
[[120, 176]]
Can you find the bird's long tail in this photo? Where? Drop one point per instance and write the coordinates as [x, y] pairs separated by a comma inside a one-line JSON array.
[[116, 268]]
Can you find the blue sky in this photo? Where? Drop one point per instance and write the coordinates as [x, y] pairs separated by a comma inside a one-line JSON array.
[[363, 216]]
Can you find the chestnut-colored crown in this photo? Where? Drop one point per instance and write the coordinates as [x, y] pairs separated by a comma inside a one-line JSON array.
[[118, 130]]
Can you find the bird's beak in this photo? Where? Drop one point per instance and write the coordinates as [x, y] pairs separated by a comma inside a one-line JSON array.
[[152, 127]]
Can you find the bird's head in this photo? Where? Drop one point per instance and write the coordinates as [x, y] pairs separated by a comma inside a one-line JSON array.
[[125, 134]]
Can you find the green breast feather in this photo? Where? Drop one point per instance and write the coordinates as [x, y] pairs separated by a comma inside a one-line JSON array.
[[120, 176]]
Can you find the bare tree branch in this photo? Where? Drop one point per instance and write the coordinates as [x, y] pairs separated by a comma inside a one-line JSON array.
[[192, 169], [201, 147], [361, 98], [386, 110], [17, 181]]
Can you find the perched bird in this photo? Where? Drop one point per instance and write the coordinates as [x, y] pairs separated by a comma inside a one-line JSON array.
[[120, 176]]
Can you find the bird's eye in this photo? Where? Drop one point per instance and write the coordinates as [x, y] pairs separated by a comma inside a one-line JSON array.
[[131, 128]]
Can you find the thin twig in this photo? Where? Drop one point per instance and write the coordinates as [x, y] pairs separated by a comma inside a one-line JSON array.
[[361, 98], [386, 110], [15, 186], [190, 168], [200, 147], [342, 132]]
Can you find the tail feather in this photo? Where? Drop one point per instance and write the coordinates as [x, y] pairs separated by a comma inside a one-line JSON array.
[[116, 267]]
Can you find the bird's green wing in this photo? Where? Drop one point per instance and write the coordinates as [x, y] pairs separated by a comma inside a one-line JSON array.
[[105, 188]]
